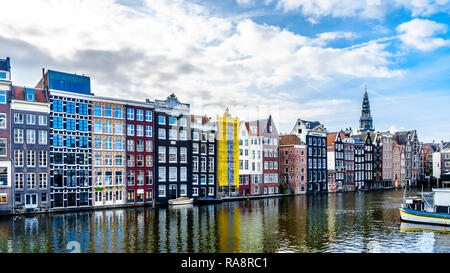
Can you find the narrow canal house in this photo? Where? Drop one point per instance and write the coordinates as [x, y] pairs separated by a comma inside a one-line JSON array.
[[140, 152], [410, 142], [108, 151], [204, 156], [30, 109], [173, 143], [387, 140], [270, 137], [292, 169], [349, 163], [396, 165], [314, 135], [377, 161], [6, 195], [335, 157], [250, 159], [70, 139], [228, 155]]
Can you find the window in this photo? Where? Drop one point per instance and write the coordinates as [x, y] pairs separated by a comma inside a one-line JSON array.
[[195, 136], [2, 121], [139, 130], [42, 137], [130, 178], [195, 163], [148, 115], [161, 133], [130, 129], [195, 148], [173, 134], [148, 131], [172, 173], [162, 174], [183, 135], [161, 120], [98, 161], [183, 190], [2, 97], [98, 127], [97, 110], [118, 145], [108, 144], [148, 146], [211, 149], [58, 140], [140, 161], [70, 107], [130, 145], [118, 129], [211, 137], [71, 141], [18, 180], [161, 154], [211, 179], [183, 155], [149, 161], [172, 155], [130, 160], [130, 114], [119, 179], [97, 143], [18, 158], [31, 158], [108, 111], [108, 128], [173, 121], [70, 124], [18, 135], [183, 122], [57, 123], [18, 118], [82, 109], [149, 178], [139, 145], [57, 106], [118, 112], [139, 114], [162, 191], [42, 158], [83, 125], [43, 180], [119, 160], [31, 136]]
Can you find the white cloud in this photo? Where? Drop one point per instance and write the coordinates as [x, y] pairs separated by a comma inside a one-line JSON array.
[[424, 7], [245, 2], [335, 8], [165, 46], [418, 33]]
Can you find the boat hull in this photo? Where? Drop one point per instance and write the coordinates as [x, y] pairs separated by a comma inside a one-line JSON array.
[[181, 202], [424, 217]]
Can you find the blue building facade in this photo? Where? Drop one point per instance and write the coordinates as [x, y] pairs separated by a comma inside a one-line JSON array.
[[30, 149], [70, 139]]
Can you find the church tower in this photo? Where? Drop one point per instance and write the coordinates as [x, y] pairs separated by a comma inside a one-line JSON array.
[[365, 122]]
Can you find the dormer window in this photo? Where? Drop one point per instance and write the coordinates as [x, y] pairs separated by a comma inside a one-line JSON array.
[[30, 95]]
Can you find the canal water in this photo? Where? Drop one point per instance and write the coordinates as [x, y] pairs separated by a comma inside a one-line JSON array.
[[342, 222]]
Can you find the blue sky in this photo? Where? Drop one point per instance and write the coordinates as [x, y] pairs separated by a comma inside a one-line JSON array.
[[289, 58]]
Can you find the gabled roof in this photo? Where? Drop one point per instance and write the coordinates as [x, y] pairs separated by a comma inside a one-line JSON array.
[[205, 119], [251, 124], [19, 94], [310, 124], [402, 138], [289, 140], [332, 137]]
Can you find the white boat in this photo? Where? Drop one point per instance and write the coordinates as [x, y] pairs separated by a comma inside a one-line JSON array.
[[181, 201], [433, 208]]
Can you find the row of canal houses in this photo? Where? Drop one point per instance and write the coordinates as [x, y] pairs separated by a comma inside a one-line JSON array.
[[62, 148]]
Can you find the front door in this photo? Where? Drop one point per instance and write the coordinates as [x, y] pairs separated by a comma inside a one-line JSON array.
[[172, 191]]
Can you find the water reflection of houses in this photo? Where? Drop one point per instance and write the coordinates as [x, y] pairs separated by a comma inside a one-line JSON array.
[[228, 227], [292, 224]]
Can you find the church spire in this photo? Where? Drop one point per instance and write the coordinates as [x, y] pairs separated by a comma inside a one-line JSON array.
[[365, 122]]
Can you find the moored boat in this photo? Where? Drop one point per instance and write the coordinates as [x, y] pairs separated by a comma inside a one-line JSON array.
[[433, 208], [181, 201], [208, 200]]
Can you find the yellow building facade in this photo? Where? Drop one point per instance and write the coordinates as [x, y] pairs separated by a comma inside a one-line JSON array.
[[228, 154]]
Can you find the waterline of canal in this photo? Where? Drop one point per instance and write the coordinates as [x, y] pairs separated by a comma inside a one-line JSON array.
[[341, 222]]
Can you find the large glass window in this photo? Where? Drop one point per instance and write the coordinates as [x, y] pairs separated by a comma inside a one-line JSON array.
[[97, 110]]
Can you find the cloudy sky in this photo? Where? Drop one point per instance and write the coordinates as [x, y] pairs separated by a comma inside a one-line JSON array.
[[289, 58]]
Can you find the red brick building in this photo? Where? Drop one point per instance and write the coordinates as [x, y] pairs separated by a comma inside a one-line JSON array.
[[293, 163], [139, 151]]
